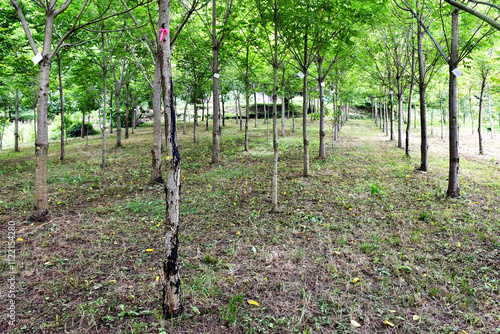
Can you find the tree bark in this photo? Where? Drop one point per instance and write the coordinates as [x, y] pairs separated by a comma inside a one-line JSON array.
[[127, 108], [489, 112], [156, 174], [392, 117], [171, 299], [453, 184], [16, 123], [322, 134], [480, 116], [215, 69], [61, 96], [41, 210], [104, 113], [247, 98], [256, 106]]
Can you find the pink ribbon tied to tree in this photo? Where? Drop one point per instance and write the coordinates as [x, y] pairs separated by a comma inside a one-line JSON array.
[[163, 32]]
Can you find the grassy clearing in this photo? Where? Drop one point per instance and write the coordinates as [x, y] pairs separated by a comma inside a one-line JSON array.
[[365, 238]]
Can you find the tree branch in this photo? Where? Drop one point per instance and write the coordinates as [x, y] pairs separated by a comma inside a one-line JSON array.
[[476, 13]]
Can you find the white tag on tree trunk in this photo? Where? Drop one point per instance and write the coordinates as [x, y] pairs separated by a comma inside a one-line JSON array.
[[323, 84], [216, 75], [37, 58], [457, 72], [301, 75]]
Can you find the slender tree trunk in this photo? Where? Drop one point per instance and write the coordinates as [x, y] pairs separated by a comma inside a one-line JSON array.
[[61, 112], [118, 120], [208, 114], [471, 113], [127, 108], [171, 299], [111, 113], [185, 112], [392, 117], [453, 184], [195, 122], [247, 97], [441, 112], [274, 191], [156, 174], [264, 103], [480, 117], [400, 119], [215, 68], [223, 110], [283, 105], [16, 123], [410, 102], [104, 94], [489, 112], [3, 127], [322, 134], [256, 106], [83, 128], [304, 123]]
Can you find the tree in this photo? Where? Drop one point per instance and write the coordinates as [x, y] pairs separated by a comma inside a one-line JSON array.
[[453, 59], [41, 210]]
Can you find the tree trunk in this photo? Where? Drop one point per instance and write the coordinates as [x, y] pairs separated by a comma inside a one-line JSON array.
[[274, 192], [111, 113], [322, 134], [82, 129], [208, 113], [104, 113], [410, 101], [16, 123], [392, 117], [471, 114], [283, 105], [215, 68], [118, 120], [185, 112], [127, 108], [247, 98], [256, 106], [441, 112], [171, 299], [41, 210], [304, 124], [61, 112], [156, 174], [3, 127], [264, 104], [400, 118], [480, 117], [453, 184], [489, 112], [195, 122]]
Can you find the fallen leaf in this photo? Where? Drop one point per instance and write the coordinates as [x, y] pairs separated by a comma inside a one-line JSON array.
[[387, 322], [252, 302], [392, 311], [416, 317], [354, 323], [20, 239], [157, 278], [238, 233], [149, 250], [355, 280]]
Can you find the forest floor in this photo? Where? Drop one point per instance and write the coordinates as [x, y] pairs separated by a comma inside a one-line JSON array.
[[367, 240]]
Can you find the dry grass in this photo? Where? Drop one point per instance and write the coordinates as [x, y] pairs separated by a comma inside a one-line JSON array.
[[364, 213]]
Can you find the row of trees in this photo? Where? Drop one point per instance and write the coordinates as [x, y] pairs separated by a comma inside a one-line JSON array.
[[332, 52]]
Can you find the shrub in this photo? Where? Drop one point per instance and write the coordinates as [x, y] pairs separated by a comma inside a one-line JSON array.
[[76, 130]]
